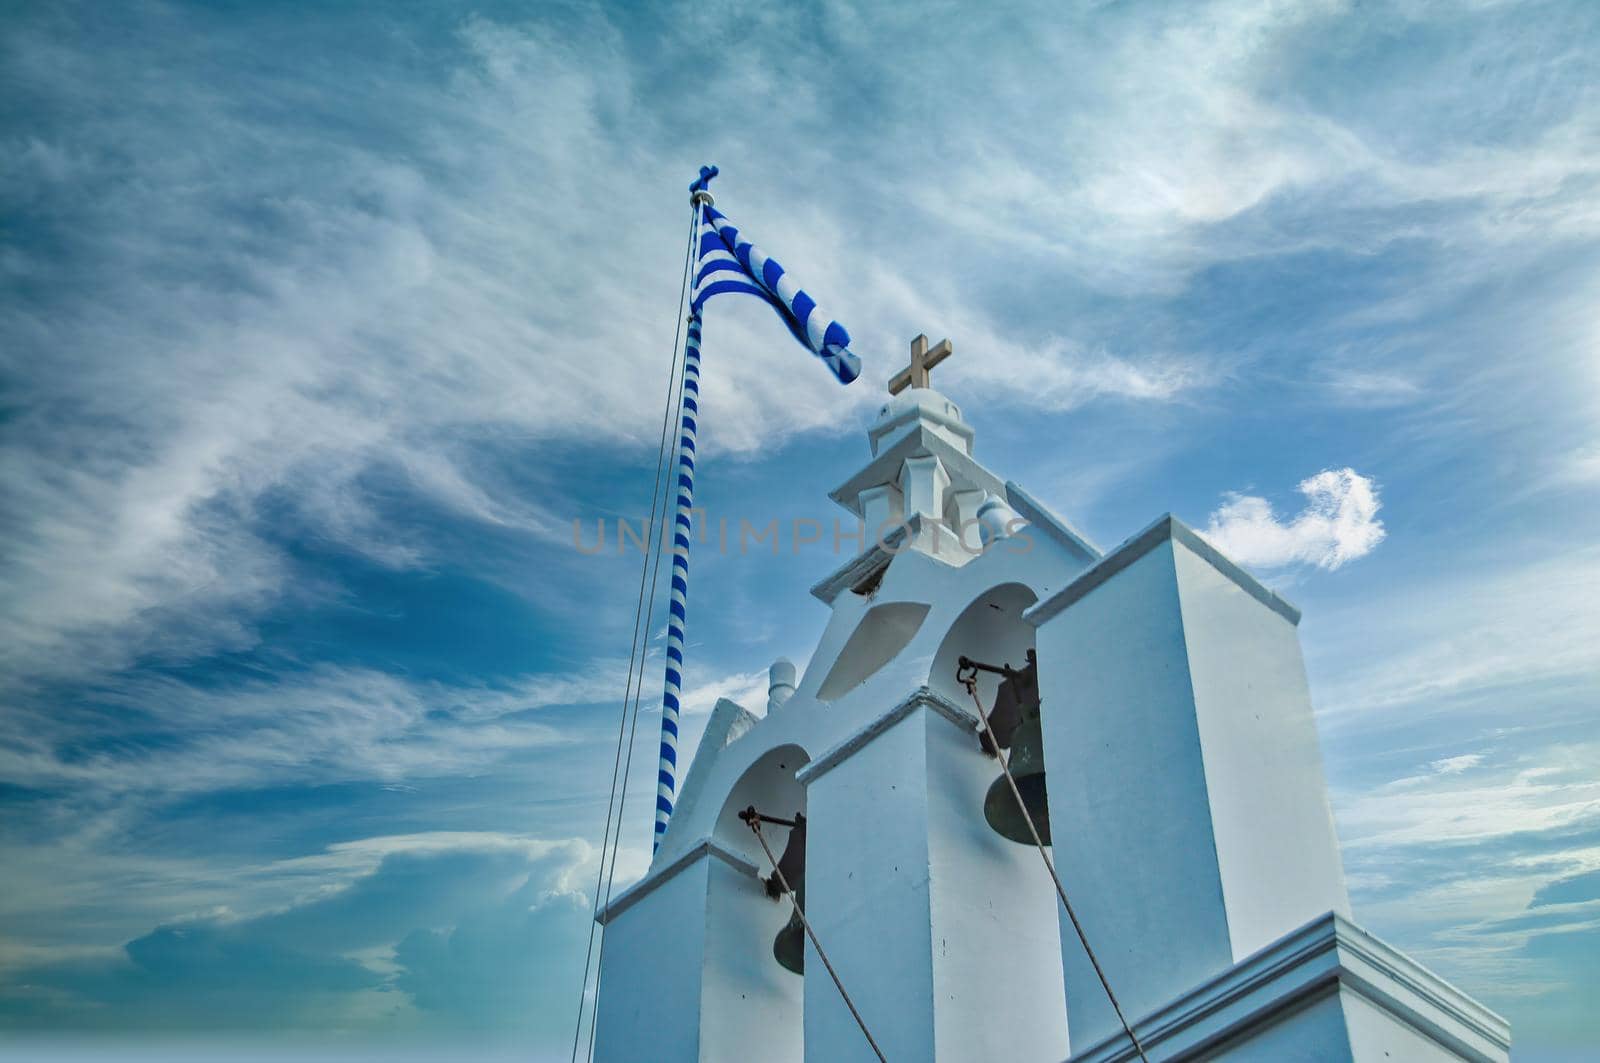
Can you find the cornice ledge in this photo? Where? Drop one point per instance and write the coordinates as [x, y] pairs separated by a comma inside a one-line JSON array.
[[922, 697], [1130, 550], [884, 468], [1041, 516], [1328, 951], [705, 847], [868, 563], [1389, 965]]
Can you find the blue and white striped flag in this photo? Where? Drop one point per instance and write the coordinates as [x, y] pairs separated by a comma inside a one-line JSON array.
[[724, 262], [727, 262]]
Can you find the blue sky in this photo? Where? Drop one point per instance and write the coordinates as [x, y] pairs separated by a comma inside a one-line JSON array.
[[319, 328]]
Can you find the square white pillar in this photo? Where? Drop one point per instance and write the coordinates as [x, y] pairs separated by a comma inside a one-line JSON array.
[[881, 508], [923, 482], [1187, 802], [687, 972], [943, 932]]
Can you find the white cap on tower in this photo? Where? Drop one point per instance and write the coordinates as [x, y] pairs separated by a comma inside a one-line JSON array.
[[780, 682]]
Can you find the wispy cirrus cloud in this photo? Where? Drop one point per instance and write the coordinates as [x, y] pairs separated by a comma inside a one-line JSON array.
[[1512, 625], [1486, 870], [1457, 714], [391, 303], [324, 725]]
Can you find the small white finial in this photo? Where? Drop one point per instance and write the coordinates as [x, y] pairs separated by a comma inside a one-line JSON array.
[[780, 682], [997, 520]]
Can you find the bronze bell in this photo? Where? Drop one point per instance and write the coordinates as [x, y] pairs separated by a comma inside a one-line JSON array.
[[1027, 769], [789, 947], [1017, 698], [1014, 724]]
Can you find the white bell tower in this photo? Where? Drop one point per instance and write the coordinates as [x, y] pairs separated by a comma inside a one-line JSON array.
[[1186, 807]]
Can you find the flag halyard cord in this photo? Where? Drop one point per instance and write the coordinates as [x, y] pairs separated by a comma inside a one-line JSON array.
[[633, 692]]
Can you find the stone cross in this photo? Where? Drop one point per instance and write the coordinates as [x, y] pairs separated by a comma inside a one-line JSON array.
[[915, 375]]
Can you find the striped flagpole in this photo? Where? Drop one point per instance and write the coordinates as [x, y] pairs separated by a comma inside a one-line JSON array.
[[677, 615], [724, 262]]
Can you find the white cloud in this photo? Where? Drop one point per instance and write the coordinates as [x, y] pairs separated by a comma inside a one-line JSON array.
[[1368, 390], [1456, 765], [1338, 524], [1447, 851], [748, 689], [1543, 793], [1179, 125], [1575, 469], [1446, 863]]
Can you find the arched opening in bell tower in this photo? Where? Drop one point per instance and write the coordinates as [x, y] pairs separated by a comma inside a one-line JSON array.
[[995, 888], [990, 629], [770, 786], [758, 999]]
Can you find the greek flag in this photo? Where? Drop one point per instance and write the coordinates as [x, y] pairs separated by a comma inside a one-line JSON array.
[[727, 262], [724, 262]]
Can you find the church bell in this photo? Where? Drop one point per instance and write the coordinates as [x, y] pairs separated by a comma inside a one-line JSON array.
[[789, 947], [1014, 725], [1027, 770]]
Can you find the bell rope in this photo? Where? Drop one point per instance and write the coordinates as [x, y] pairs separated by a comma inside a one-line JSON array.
[[753, 820], [967, 676]]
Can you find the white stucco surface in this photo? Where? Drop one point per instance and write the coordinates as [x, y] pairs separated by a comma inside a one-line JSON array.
[[867, 886], [1180, 733], [1128, 803], [944, 932], [1187, 805], [651, 971], [997, 982], [1270, 819]]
